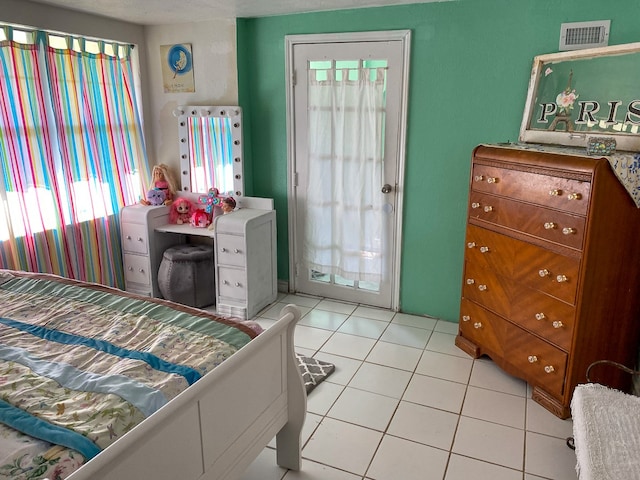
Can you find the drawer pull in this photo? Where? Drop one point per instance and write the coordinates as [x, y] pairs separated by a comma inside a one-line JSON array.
[[555, 192], [141, 270], [543, 273], [470, 281], [482, 288], [488, 208], [540, 316], [532, 359], [484, 249], [549, 369], [225, 282], [140, 239], [130, 269], [477, 325], [235, 250], [223, 250], [475, 205], [237, 284], [478, 178], [557, 324], [568, 230], [471, 245], [128, 237], [492, 180], [466, 318], [549, 225], [562, 278], [574, 196]]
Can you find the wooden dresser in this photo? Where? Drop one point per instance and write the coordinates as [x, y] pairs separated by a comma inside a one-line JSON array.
[[551, 280]]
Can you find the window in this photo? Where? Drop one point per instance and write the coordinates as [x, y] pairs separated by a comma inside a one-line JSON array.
[[71, 149]]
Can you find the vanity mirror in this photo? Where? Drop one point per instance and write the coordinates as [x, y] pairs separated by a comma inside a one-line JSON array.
[[210, 148]]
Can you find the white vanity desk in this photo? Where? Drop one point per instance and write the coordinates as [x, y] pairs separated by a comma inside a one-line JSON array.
[[244, 245]]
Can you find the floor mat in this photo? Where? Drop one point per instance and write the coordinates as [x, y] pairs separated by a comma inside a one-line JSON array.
[[313, 371]]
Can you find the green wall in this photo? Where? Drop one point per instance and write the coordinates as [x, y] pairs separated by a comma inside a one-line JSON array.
[[470, 67]]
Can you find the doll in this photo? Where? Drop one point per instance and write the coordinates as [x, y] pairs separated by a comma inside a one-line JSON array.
[[162, 180], [180, 211], [228, 204]]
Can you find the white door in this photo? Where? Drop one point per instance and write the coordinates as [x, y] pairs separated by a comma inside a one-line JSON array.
[[347, 112]]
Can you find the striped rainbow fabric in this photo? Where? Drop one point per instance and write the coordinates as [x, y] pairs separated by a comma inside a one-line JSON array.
[[72, 154]]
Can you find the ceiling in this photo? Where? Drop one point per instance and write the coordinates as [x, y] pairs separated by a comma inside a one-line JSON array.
[[164, 12]]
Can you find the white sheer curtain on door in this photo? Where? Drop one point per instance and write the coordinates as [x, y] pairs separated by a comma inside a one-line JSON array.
[[344, 232]]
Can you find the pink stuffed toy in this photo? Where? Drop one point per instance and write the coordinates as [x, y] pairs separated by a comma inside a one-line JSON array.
[[200, 219], [180, 211]]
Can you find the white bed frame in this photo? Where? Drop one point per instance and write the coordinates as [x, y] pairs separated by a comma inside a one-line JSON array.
[[218, 426]]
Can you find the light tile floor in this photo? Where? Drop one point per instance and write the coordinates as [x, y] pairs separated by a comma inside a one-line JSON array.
[[405, 403]]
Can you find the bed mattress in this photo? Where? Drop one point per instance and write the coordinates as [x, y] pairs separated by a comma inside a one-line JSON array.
[[83, 364]]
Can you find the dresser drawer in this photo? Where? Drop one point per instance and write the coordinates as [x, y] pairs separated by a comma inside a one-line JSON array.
[[485, 287], [547, 271], [232, 283], [230, 250], [556, 192], [544, 223], [482, 327], [546, 316], [490, 249], [134, 238], [136, 269], [541, 363]]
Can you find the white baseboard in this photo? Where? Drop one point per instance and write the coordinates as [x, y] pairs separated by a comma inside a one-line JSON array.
[[283, 286]]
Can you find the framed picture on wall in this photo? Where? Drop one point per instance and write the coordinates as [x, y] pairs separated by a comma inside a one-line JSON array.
[[578, 96], [177, 68]]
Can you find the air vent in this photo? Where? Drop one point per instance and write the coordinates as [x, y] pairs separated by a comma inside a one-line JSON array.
[[579, 35]]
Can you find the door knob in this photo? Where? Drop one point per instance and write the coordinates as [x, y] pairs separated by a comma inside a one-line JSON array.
[[386, 188]]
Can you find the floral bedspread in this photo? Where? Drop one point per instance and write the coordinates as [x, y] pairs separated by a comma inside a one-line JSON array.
[[82, 364]]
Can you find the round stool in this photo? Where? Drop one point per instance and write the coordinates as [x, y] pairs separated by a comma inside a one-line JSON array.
[[186, 275]]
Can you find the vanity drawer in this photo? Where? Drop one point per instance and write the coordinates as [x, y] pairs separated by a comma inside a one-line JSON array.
[[232, 283], [134, 238], [136, 269], [549, 225], [230, 250], [556, 192]]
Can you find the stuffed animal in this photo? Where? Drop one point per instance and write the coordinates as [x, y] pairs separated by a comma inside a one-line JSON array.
[[200, 219], [155, 196], [180, 211], [162, 179]]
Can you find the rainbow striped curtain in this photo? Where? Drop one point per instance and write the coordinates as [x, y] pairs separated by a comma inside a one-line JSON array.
[[72, 154]]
